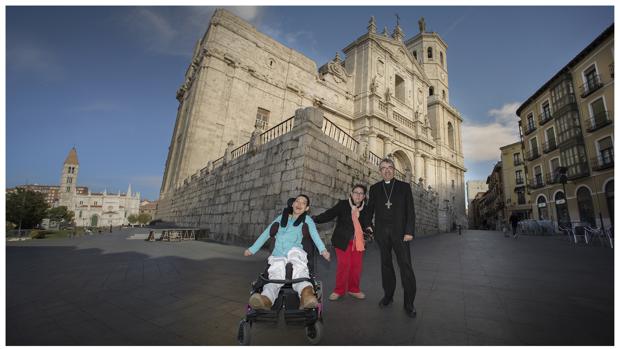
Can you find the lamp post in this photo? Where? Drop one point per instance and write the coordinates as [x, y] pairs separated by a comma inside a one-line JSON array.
[[561, 173]]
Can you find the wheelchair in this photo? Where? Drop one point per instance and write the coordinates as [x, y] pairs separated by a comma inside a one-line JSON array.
[[288, 299]]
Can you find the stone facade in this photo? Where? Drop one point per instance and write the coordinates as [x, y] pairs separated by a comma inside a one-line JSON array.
[[94, 209], [235, 200], [513, 182], [567, 133], [391, 95]]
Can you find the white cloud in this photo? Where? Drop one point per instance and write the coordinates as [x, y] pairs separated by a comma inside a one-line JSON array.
[[481, 142], [34, 59]]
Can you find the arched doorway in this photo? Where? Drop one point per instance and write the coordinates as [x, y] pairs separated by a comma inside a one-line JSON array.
[[541, 202], [401, 161], [609, 197], [94, 220], [561, 210], [585, 206]]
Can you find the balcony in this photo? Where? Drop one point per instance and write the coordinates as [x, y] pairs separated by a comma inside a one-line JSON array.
[[550, 178], [529, 129], [544, 118], [549, 146], [571, 135], [536, 183], [593, 84], [560, 104], [598, 121], [518, 162], [532, 155], [604, 161], [578, 170], [519, 181]]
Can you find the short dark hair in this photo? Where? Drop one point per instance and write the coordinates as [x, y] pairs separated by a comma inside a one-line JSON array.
[[363, 187], [387, 160], [307, 198]]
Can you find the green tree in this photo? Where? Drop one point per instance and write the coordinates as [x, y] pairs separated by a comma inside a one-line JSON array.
[[59, 213], [144, 218], [132, 219], [26, 207]]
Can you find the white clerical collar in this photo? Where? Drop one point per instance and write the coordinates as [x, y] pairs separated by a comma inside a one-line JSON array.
[[387, 182]]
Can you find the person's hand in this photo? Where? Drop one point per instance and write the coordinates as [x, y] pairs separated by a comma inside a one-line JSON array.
[[247, 253], [325, 255], [408, 237]]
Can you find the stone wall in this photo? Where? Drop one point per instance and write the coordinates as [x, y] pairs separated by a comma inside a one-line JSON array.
[[236, 201]]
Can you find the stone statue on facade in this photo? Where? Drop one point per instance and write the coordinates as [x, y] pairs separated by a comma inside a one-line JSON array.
[[373, 85], [228, 152]]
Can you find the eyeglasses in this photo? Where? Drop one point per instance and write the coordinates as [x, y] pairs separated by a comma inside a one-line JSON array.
[[386, 167], [359, 193]]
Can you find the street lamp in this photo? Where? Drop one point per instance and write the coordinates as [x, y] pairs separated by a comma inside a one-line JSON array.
[[563, 178]]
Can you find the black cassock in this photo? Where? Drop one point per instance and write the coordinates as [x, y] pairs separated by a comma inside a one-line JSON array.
[[391, 224]]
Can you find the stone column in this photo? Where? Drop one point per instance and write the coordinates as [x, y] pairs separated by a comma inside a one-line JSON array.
[[387, 146], [427, 170], [372, 141], [418, 166]]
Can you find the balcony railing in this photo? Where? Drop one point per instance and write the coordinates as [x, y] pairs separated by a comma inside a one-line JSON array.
[[532, 155], [544, 117], [572, 134], [598, 121], [550, 178], [338, 134], [537, 183], [529, 129], [518, 162], [560, 103], [549, 146], [604, 160], [578, 169], [593, 84]]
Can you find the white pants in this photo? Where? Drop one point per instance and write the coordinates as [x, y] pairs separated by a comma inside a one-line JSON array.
[[277, 271]]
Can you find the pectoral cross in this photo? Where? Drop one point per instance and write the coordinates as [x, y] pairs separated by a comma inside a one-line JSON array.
[[388, 204]]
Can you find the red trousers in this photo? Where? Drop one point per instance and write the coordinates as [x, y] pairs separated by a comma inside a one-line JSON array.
[[348, 270]]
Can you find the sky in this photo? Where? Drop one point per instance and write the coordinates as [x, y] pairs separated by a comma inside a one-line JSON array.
[[104, 79]]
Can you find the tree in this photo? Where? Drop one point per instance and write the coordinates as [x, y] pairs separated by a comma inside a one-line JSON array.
[[59, 213], [144, 218], [25, 207], [132, 219]]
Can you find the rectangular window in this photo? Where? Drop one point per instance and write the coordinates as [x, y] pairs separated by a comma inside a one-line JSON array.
[[516, 157], [568, 126], [546, 111], [519, 177], [521, 197], [68, 189], [262, 118], [606, 151], [534, 146], [598, 113], [554, 163], [530, 122], [538, 175]]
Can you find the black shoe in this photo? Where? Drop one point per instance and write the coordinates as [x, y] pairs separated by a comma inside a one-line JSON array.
[[384, 302], [411, 313]]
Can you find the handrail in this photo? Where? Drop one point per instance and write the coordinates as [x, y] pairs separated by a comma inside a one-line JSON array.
[[333, 131], [277, 131]]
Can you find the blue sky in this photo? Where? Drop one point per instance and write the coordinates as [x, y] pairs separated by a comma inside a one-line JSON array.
[[103, 79]]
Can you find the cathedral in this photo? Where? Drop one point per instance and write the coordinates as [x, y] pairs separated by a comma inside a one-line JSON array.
[[389, 93], [94, 209]]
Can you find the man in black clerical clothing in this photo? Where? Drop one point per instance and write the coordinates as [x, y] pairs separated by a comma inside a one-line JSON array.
[[391, 203]]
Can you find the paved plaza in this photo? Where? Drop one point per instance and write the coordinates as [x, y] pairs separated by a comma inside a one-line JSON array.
[[479, 288]]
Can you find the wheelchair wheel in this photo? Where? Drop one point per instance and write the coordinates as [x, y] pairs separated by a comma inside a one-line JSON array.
[[314, 332], [243, 335]]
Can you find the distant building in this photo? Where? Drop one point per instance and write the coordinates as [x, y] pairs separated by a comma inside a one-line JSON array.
[[513, 180], [94, 209], [567, 131], [473, 188], [490, 205], [51, 192], [149, 207]]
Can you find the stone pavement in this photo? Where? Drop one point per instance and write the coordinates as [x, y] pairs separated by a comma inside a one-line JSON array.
[[478, 289]]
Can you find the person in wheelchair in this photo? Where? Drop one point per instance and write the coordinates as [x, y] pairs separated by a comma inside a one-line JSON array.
[[288, 249]]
